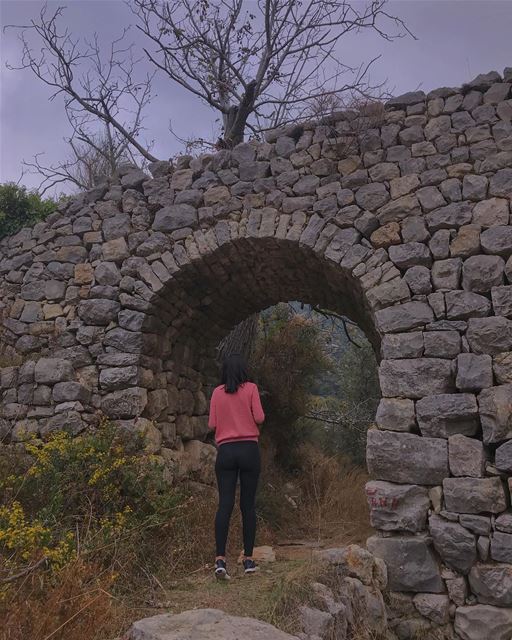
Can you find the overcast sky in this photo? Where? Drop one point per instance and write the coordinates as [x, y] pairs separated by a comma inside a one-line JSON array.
[[456, 40]]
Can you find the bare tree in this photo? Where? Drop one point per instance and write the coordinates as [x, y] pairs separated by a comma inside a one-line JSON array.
[[263, 66], [98, 89], [93, 158]]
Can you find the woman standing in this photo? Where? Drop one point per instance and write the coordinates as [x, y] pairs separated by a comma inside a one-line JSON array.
[[235, 413]]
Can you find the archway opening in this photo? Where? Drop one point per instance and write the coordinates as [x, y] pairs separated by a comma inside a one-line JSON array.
[[210, 296]]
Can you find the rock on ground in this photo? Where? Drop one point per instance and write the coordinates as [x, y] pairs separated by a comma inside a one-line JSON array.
[[204, 624]]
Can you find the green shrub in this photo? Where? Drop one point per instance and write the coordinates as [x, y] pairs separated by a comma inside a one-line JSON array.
[[21, 208], [76, 490]]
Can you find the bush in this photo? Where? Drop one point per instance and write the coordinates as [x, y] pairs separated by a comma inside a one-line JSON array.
[[21, 208], [288, 358], [87, 506]]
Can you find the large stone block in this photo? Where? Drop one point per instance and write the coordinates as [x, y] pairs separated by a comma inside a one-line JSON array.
[[397, 507], [98, 311], [435, 607], [416, 378], [204, 624], [502, 300], [405, 458], [490, 335], [452, 216], [52, 370], [125, 403], [466, 456], [175, 216], [403, 317], [496, 413], [455, 544], [482, 622], [410, 254], [492, 584], [461, 305], [474, 495], [497, 241], [474, 372], [442, 415], [501, 547], [502, 367], [402, 345], [410, 562], [503, 459], [396, 414], [481, 273], [442, 344], [446, 274]]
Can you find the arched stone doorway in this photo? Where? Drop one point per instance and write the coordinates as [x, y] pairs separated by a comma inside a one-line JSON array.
[[114, 304]]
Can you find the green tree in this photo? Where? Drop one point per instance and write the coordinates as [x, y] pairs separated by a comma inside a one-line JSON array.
[[20, 208], [288, 357]]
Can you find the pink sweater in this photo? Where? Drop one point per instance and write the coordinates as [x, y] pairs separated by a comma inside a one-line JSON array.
[[236, 416]]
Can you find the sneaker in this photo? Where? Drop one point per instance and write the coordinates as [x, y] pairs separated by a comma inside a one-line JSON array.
[[221, 572], [249, 566]]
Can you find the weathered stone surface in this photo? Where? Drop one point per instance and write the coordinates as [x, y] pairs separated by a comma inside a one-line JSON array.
[[442, 415], [466, 456], [461, 305], [397, 507], [98, 312], [453, 215], [175, 216], [467, 241], [501, 547], [52, 370], [457, 589], [403, 317], [410, 254], [395, 414], [492, 584], [497, 240], [418, 279], [442, 344], [490, 213], [502, 367], [502, 301], [410, 562], [496, 413], [504, 522], [474, 372], [481, 273], [402, 345], [474, 495], [503, 459], [482, 622], [203, 624], [125, 403], [446, 274], [415, 378], [435, 607], [423, 460], [490, 335], [477, 524], [372, 196]]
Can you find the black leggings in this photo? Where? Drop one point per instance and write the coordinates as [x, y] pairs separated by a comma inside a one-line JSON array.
[[233, 458]]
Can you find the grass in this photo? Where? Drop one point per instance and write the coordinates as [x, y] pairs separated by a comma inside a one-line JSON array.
[[116, 544]]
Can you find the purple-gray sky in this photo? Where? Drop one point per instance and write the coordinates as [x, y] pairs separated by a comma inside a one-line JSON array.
[[456, 40]]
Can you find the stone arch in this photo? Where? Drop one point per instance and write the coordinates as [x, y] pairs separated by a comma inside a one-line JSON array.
[[209, 296], [404, 217]]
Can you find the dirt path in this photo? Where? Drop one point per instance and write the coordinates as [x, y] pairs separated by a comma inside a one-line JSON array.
[[261, 595]]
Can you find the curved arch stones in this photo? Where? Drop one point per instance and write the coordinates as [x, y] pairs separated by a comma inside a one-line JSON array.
[[399, 219]]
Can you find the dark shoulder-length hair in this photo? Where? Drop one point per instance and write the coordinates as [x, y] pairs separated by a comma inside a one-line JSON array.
[[234, 372]]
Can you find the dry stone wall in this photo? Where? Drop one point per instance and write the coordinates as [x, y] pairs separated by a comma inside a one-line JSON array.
[[400, 219]]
